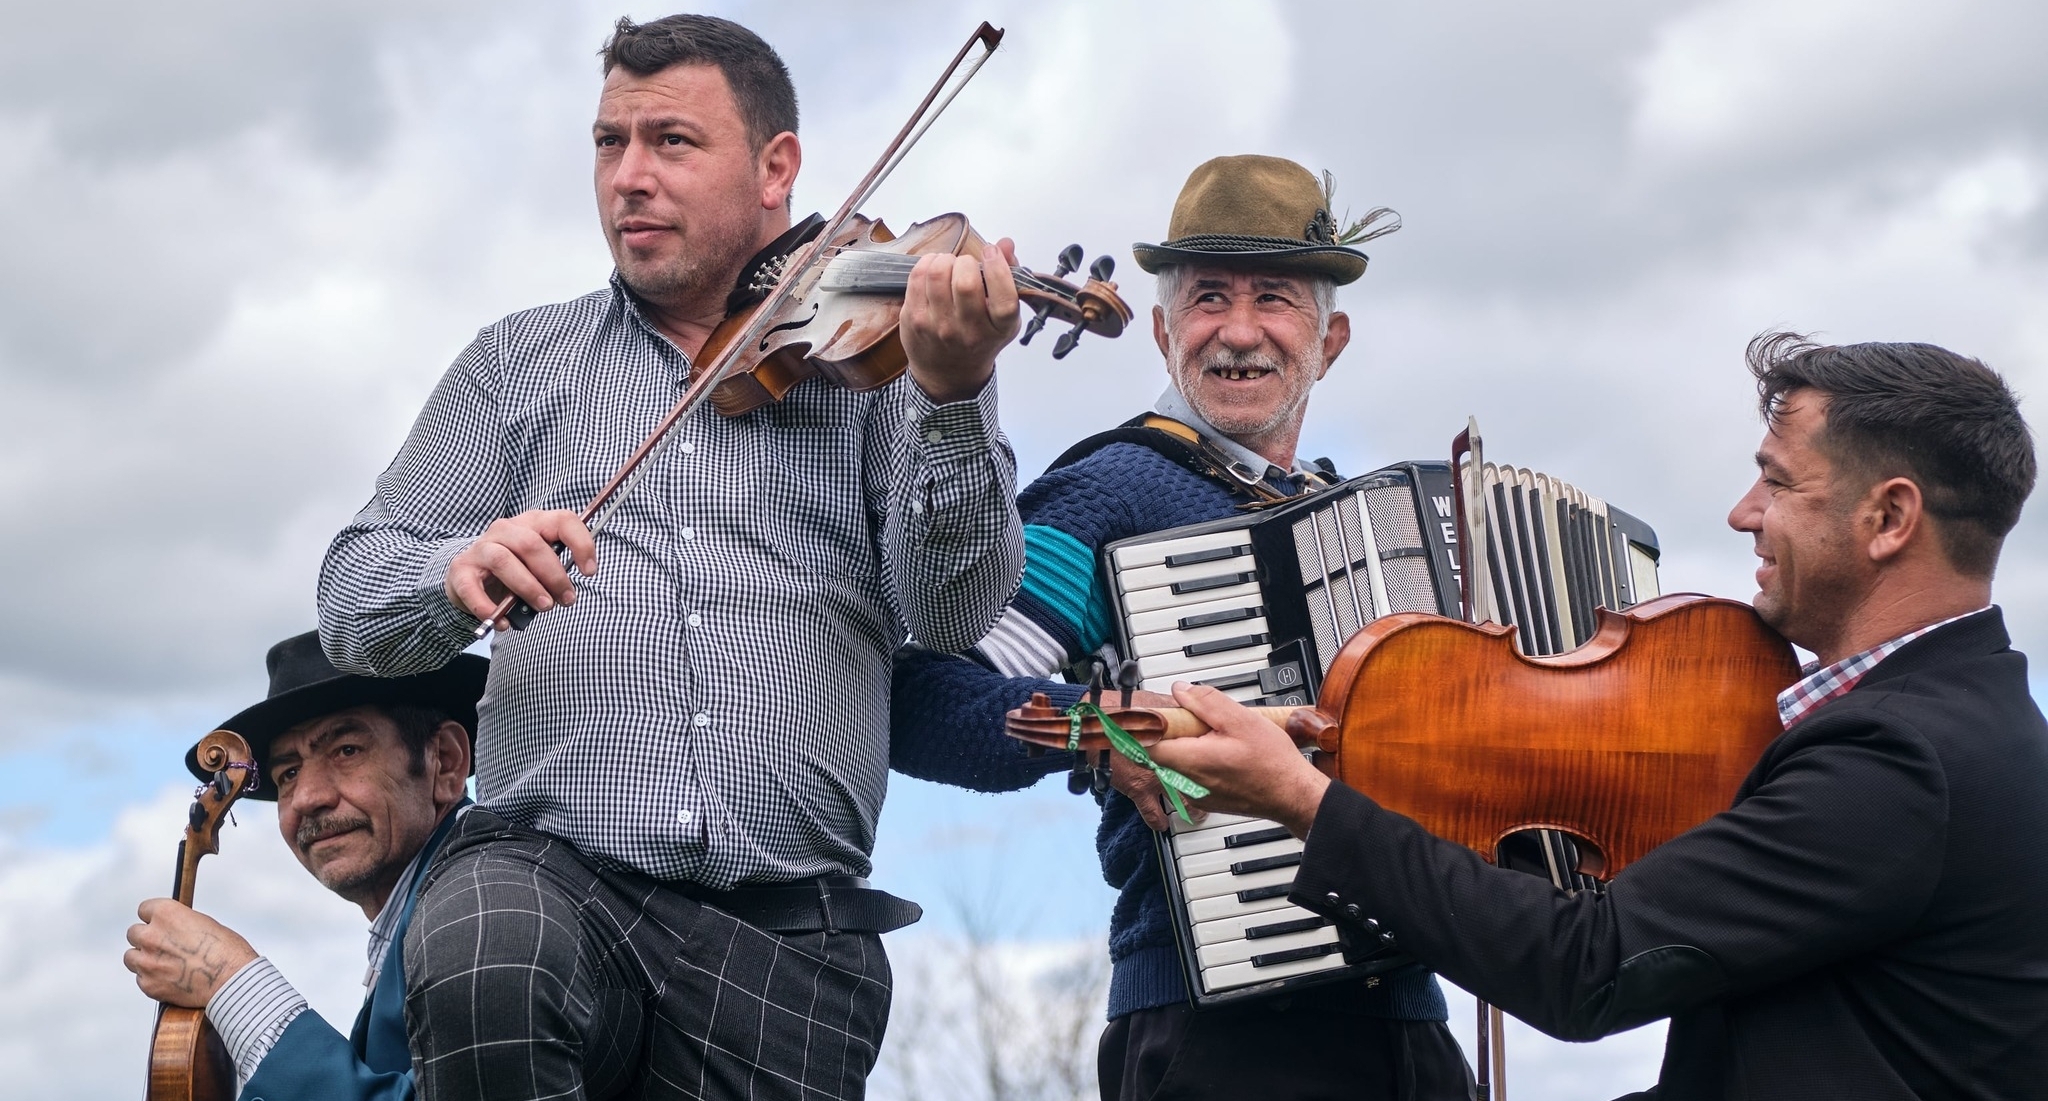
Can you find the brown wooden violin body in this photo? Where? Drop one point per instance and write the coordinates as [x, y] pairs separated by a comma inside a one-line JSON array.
[[839, 320], [1639, 735], [1626, 742], [187, 1061]]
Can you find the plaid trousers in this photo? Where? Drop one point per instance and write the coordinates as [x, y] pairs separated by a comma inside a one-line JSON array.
[[531, 973]]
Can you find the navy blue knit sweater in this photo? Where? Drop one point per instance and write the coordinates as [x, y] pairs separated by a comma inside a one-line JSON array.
[[947, 712]]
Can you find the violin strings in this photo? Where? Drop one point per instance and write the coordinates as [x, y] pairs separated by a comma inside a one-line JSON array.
[[889, 263]]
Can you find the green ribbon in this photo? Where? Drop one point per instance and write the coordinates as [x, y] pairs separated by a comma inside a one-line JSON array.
[[1120, 740]]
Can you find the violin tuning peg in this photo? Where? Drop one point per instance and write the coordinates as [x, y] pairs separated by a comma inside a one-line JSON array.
[[1068, 339], [1032, 327], [1102, 268], [1127, 679], [1070, 258]]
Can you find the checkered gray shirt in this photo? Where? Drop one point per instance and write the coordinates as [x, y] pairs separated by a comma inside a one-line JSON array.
[[715, 705]]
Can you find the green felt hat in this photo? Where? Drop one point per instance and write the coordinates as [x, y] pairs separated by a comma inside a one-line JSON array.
[[1267, 212]]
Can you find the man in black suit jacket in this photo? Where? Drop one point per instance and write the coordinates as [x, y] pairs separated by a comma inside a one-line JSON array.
[[1870, 919]]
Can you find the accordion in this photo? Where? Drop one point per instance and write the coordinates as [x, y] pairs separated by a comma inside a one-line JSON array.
[[1259, 605]]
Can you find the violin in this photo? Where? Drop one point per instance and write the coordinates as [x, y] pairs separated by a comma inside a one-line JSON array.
[[187, 1061], [838, 320], [825, 300], [1642, 733]]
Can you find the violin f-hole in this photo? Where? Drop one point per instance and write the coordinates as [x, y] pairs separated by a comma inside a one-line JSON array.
[[787, 325]]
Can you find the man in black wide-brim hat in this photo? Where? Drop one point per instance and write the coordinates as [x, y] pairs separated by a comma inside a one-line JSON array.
[[366, 773]]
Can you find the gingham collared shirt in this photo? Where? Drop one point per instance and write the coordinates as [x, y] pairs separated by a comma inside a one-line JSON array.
[[1824, 684], [715, 705]]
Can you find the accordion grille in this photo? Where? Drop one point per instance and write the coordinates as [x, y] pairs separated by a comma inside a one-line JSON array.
[[1335, 562], [1307, 554], [1323, 622], [1393, 517], [1409, 588], [1325, 544]]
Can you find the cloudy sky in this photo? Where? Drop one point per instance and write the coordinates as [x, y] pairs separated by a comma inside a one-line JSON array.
[[240, 241]]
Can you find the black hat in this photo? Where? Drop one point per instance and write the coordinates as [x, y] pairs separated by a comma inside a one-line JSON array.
[[305, 685]]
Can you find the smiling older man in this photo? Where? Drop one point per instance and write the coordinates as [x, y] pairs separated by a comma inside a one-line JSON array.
[[366, 773], [1247, 323]]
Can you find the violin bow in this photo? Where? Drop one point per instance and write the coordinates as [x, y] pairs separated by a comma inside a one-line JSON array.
[[704, 379]]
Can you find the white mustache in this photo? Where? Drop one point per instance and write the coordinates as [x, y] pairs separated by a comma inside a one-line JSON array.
[[1225, 360]]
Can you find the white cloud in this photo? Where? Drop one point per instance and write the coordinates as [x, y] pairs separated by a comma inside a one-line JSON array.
[[1755, 79]]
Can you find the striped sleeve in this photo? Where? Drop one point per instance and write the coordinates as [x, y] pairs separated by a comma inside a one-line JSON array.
[[251, 1010], [1063, 577], [1060, 612]]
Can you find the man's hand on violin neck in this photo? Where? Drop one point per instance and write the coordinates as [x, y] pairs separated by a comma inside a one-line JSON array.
[[1249, 765], [181, 956], [517, 555], [958, 312], [1138, 783]]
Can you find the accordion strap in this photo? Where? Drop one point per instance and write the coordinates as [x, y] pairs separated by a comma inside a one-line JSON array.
[[1185, 446]]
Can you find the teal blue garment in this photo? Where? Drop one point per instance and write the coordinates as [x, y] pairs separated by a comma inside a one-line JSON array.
[[312, 1062], [1059, 573]]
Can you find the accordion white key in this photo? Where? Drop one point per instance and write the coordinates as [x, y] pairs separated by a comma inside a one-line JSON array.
[[1259, 605]]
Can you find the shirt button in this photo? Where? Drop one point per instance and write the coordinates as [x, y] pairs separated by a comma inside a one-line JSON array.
[[1353, 912], [683, 817], [934, 435], [695, 620], [689, 448], [702, 720], [688, 534], [1332, 898]]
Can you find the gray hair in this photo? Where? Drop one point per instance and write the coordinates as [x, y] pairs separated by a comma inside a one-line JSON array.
[[1173, 278]]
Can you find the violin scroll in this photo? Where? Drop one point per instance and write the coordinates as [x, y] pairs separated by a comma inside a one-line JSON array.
[[1092, 307], [225, 754]]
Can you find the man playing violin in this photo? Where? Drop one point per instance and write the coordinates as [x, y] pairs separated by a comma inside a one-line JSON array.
[[1870, 918], [367, 774], [680, 762], [1247, 324]]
